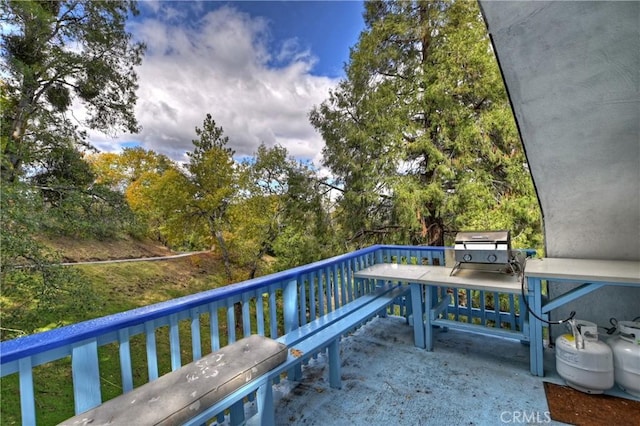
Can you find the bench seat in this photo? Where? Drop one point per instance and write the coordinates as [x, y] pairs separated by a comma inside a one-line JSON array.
[[205, 388], [182, 394], [303, 350]]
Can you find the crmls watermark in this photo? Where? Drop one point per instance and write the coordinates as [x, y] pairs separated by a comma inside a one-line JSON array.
[[527, 417]]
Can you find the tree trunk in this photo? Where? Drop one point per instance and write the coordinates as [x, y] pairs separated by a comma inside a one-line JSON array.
[[225, 255], [237, 307]]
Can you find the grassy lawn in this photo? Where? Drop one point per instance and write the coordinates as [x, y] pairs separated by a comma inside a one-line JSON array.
[[116, 287]]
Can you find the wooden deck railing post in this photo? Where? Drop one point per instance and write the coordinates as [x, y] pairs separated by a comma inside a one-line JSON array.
[[291, 308], [86, 375]]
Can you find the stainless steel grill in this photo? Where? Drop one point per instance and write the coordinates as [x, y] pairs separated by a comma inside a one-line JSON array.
[[482, 247]]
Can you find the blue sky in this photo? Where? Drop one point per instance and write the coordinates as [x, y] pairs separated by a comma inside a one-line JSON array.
[[258, 68], [326, 28]]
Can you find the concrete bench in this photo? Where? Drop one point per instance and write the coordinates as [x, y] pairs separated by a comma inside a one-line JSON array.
[[199, 391]]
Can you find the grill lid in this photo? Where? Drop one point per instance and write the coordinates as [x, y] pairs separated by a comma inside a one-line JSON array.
[[485, 238], [482, 247]]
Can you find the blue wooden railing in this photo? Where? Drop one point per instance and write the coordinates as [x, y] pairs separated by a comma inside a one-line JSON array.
[[271, 306]]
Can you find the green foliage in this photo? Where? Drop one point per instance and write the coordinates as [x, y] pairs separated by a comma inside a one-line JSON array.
[[212, 183], [420, 133], [44, 75], [119, 171], [149, 183], [55, 53], [281, 211], [116, 288], [33, 282]]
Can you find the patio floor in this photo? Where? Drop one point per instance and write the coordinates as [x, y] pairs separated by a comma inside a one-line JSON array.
[[468, 379]]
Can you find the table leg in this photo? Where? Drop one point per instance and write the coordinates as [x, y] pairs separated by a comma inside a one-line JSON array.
[[535, 326], [428, 303], [417, 306]]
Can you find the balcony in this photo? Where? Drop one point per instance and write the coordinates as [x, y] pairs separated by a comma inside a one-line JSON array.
[[385, 378]]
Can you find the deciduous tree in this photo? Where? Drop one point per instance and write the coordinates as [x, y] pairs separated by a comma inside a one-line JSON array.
[[279, 212]]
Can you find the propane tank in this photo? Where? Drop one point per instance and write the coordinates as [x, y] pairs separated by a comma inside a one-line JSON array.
[[584, 362], [626, 356]]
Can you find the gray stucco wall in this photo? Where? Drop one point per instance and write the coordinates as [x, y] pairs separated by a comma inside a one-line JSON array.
[[572, 70]]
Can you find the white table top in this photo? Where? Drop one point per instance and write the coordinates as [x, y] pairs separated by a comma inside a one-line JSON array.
[[613, 271], [440, 276]]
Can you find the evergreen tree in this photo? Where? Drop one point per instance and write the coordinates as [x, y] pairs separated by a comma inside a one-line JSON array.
[[420, 132], [55, 52]]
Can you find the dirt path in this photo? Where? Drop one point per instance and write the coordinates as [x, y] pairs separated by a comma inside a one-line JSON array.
[[140, 259]]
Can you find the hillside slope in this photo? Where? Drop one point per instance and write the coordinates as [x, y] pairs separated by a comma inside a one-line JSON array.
[[78, 250]]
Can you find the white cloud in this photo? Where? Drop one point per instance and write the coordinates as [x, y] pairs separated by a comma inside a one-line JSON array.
[[219, 64]]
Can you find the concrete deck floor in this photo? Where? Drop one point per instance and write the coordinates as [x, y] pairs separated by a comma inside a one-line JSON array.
[[468, 379]]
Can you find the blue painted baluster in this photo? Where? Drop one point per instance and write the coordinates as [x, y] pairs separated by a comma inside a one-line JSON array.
[[214, 327], [512, 312], [273, 319], [522, 317], [231, 322], [174, 342], [469, 306], [266, 408], [246, 315], [349, 279], [456, 305], [152, 354], [343, 283], [260, 312], [483, 307], [312, 296], [196, 342], [320, 293], [328, 289], [363, 283], [290, 304], [303, 300], [408, 307], [27, 394], [237, 413], [437, 294], [496, 303], [124, 348], [86, 375], [336, 286], [357, 284]]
